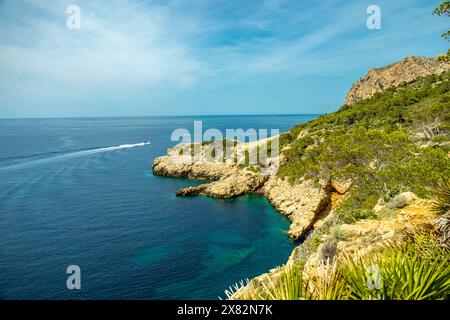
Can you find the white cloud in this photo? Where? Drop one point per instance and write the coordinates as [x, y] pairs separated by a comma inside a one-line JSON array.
[[115, 49]]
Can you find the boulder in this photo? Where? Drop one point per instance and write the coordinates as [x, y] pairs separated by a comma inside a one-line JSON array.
[[402, 200]]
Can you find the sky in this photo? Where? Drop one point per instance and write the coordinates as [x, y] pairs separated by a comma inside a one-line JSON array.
[[200, 57]]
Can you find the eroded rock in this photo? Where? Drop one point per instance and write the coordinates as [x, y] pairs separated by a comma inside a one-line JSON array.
[[407, 70], [186, 168], [230, 186], [302, 203]]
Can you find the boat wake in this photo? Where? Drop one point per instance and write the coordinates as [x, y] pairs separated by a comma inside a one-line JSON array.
[[68, 155]]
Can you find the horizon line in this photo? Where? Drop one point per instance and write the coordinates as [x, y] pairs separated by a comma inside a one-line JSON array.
[[160, 116]]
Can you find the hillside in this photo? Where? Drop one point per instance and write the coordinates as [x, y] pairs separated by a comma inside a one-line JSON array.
[[351, 182], [395, 141], [391, 151]]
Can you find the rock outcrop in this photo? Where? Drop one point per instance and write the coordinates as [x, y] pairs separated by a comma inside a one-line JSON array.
[[368, 236], [230, 186], [302, 203], [393, 75], [170, 166]]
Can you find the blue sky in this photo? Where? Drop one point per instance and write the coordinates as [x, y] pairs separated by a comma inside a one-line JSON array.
[[184, 57]]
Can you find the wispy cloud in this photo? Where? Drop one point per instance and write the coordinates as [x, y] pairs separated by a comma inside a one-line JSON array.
[[138, 51], [115, 48]]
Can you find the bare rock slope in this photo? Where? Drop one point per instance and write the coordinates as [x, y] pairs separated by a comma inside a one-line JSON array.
[[393, 75]]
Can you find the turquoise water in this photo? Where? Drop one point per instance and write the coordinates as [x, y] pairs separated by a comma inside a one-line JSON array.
[[69, 195]]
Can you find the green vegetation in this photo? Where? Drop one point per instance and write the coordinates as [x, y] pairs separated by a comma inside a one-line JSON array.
[[228, 150], [441, 206], [444, 10], [416, 267], [227, 147]]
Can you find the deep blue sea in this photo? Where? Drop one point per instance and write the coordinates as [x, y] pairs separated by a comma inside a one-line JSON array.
[[70, 196]]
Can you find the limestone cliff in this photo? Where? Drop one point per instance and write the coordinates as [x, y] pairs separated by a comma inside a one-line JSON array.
[[393, 75], [303, 203]]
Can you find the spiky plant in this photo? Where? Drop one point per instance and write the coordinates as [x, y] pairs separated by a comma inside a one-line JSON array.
[[236, 288], [288, 285], [441, 206], [443, 225], [413, 267], [441, 203], [404, 271], [327, 281], [423, 240]]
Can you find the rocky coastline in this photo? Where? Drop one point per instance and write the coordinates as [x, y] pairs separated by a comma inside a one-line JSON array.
[[303, 203]]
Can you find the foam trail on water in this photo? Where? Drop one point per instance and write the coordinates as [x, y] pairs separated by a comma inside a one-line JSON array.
[[87, 152]]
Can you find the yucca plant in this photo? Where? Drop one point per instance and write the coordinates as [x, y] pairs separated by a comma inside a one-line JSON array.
[[423, 240], [288, 285], [238, 287], [443, 225], [359, 275], [413, 267], [400, 273], [441, 204], [327, 281]]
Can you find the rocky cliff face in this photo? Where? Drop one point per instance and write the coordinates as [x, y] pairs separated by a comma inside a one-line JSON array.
[[302, 203], [406, 70]]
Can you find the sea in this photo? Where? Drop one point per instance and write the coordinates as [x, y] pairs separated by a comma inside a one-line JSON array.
[[80, 192]]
